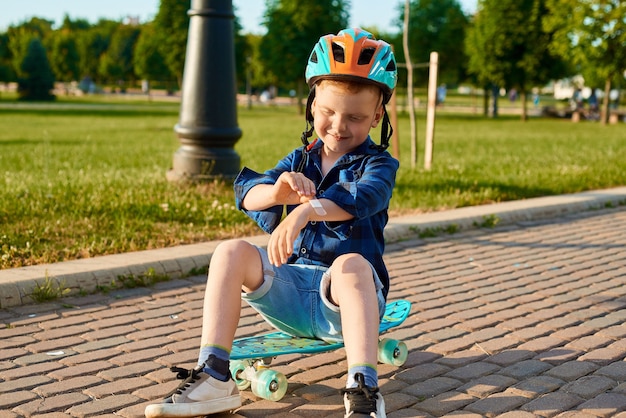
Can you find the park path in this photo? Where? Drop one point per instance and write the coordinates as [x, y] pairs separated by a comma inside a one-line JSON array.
[[526, 319]]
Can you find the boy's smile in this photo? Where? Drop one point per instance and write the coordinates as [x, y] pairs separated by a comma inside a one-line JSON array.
[[343, 118]]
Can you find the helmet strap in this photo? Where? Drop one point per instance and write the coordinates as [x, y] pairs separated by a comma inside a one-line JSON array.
[[308, 129], [386, 131]]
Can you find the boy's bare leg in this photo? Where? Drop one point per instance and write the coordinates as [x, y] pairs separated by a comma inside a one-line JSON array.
[[352, 289], [235, 265], [209, 389]]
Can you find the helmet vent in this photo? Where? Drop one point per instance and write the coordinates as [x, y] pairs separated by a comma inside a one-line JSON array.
[[366, 56], [391, 66], [338, 53], [313, 57]]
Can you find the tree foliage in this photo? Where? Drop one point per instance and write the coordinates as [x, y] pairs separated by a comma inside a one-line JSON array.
[[592, 34], [436, 25], [92, 44], [19, 38], [148, 62], [508, 46], [260, 78], [293, 28], [64, 58], [243, 53], [36, 80], [74, 25], [172, 26], [6, 69], [117, 62]]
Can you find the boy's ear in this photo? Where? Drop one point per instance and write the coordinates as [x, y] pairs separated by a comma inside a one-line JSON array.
[[378, 116]]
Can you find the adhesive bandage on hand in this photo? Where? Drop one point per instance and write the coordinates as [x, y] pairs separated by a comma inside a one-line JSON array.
[[317, 207]]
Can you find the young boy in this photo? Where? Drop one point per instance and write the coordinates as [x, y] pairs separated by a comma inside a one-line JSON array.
[[322, 275]]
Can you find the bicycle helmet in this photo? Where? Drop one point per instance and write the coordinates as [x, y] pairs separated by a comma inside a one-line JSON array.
[[352, 54]]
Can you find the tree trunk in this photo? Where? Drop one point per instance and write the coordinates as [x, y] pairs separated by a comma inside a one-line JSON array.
[[522, 97], [604, 115], [495, 91], [486, 101]]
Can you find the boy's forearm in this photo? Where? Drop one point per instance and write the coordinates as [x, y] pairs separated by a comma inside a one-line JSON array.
[[332, 212], [259, 198]]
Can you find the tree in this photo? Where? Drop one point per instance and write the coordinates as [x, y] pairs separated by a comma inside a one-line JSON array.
[[476, 44], [36, 79], [92, 44], [74, 25], [437, 25], [172, 26], [6, 70], [64, 58], [260, 77], [148, 62], [293, 27], [508, 46], [117, 62], [19, 38], [592, 34], [243, 52]]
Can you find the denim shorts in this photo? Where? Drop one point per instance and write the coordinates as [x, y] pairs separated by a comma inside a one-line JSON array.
[[294, 299]]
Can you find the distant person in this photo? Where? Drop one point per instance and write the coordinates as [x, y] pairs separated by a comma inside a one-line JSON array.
[[577, 100], [536, 99], [322, 275], [593, 102], [441, 94], [265, 96]]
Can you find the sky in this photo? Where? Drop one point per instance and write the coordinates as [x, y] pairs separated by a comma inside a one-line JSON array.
[[379, 13]]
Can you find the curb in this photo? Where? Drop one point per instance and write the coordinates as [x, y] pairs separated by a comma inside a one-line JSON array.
[[17, 286]]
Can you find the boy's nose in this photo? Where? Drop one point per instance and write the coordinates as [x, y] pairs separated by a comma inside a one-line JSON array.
[[339, 123]]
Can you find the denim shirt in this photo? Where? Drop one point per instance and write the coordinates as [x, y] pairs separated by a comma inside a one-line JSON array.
[[360, 182]]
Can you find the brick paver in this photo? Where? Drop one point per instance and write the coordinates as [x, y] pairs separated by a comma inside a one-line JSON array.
[[521, 320]]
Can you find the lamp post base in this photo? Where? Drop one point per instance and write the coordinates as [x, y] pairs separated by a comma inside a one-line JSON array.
[[201, 164]]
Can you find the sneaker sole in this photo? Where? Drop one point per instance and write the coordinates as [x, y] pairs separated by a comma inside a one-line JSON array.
[[193, 409]]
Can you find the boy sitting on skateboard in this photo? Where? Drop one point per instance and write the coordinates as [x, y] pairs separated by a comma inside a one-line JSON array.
[[322, 275]]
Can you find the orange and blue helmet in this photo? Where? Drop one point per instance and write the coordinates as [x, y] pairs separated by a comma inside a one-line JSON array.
[[353, 54]]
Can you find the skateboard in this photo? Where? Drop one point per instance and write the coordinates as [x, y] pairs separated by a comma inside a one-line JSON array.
[[251, 356]]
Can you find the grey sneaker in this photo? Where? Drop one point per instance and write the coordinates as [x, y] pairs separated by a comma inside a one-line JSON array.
[[199, 394], [363, 401]]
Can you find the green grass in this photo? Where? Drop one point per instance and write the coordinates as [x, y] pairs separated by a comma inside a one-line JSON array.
[[80, 181]]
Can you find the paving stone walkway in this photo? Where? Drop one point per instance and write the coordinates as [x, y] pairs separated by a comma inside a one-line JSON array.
[[521, 320]]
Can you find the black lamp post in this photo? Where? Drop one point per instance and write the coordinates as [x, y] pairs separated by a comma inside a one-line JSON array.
[[207, 126]]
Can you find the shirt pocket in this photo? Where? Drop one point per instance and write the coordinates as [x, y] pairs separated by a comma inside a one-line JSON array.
[[350, 176]]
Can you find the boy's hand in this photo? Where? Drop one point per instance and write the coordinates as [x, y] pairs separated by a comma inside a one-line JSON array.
[[293, 188], [280, 244]]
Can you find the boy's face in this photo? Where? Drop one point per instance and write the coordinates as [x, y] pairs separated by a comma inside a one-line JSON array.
[[343, 119]]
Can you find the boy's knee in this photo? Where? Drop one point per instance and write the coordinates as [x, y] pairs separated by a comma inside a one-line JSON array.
[[240, 261], [351, 264], [234, 247], [350, 275]]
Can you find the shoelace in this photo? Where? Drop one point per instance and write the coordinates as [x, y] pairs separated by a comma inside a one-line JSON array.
[[187, 376], [362, 398]]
